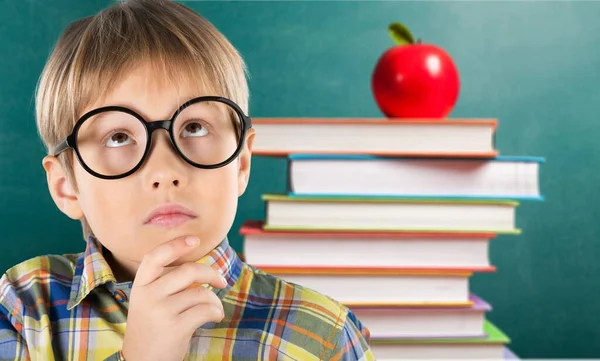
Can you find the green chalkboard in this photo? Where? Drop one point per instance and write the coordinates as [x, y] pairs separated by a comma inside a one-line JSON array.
[[533, 65]]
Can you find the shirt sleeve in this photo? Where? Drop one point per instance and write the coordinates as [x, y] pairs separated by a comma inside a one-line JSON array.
[[353, 341], [12, 344]]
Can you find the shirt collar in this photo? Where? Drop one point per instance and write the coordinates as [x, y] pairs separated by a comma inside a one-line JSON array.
[[92, 270], [224, 259]]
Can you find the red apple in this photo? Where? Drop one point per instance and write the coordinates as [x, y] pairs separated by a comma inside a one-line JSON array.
[[414, 80]]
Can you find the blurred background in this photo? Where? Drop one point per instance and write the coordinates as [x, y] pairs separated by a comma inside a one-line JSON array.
[[535, 66]]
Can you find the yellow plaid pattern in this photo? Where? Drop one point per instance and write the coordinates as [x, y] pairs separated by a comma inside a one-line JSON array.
[[70, 307]]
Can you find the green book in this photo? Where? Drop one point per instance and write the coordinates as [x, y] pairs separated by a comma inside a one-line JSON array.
[[390, 199], [493, 336], [372, 214]]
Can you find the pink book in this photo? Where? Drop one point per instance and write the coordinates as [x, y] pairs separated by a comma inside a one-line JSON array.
[[425, 322]]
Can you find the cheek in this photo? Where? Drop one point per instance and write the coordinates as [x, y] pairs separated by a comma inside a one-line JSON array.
[[106, 206], [217, 189]]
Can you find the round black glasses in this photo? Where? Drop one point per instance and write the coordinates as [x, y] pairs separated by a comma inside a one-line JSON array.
[[113, 142]]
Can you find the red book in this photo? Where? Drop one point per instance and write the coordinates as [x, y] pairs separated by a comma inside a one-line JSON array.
[[364, 252], [419, 137]]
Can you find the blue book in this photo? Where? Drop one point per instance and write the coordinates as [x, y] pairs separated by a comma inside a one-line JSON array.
[[347, 176]]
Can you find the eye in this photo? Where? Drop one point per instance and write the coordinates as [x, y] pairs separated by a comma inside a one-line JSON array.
[[118, 139], [194, 129]]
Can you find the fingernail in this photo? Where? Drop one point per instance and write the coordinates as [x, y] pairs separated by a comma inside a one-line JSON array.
[[191, 241], [224, 280]]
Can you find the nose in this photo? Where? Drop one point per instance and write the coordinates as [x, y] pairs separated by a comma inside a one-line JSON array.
[[164, 168]]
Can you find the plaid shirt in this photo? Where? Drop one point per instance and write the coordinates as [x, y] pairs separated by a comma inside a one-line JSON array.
[[71, 308]]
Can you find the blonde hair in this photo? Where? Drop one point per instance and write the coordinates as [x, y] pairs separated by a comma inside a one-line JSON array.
[[95, 52]]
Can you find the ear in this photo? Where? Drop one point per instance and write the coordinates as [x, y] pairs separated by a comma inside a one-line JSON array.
[[62, 191], [244, 162]]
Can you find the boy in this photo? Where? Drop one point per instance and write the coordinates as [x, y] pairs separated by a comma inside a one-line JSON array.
[[142, 108]]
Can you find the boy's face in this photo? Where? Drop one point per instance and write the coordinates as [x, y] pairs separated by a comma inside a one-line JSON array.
[[117, 210]]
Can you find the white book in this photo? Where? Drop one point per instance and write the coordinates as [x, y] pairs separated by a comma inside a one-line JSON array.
[[366, 249], [425, 322], [490, 347], [502, 177], [389, 352], [394, 287], [382, 214]]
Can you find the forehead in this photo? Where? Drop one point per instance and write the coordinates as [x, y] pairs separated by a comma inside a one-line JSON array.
[[153, 91]]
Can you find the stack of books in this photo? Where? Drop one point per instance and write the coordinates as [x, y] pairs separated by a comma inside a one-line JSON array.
[[392, 218]]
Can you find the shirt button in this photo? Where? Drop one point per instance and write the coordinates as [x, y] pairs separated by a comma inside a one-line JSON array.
[[120, 296]]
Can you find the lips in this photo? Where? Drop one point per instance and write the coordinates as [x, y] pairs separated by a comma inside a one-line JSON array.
[[169, 215]]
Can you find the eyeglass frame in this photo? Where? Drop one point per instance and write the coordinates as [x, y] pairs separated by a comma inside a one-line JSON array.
[[70, 142]]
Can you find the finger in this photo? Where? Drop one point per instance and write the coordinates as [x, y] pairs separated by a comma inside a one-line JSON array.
[[154, 262], [199, 315], [187, 274], [184, 300]]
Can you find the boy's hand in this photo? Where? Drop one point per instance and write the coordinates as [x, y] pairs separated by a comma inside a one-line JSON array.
[[164, 311]]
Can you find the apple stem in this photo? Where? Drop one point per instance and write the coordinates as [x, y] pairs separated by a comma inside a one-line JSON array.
[[419, 41]]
